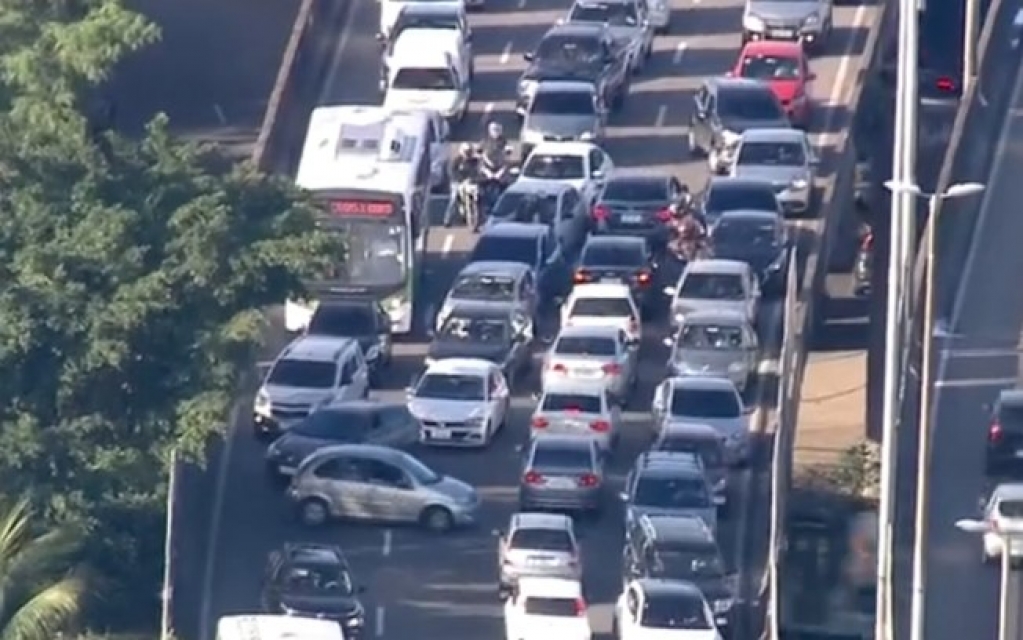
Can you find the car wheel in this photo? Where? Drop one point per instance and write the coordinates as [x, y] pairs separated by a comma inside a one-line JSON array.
[[314, 512], [437, 519]]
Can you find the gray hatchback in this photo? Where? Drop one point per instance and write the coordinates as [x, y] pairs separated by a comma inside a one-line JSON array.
[[562, 472]]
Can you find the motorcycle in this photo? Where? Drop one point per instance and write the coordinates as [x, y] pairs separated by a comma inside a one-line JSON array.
[[469, 203]]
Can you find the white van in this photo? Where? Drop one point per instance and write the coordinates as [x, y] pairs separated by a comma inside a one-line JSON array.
[[277, 627], [426, 70]]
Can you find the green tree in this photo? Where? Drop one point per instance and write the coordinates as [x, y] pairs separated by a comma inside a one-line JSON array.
[[40, 593]]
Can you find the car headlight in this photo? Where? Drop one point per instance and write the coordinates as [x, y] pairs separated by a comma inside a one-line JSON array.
[[355, 618], [752, 23], [799, 183], [475, 421], [262, 403], [812, 20], [722, 606]]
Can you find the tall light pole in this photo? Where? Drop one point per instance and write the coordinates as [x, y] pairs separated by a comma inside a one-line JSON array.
[[970, 41], [985, 527], [920, 533]]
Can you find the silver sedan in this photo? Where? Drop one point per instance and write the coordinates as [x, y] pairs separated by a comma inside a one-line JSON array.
[[595, 355]]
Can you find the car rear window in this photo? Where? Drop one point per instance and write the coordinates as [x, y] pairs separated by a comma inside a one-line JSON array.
[[601, 307], [559, 456], [636, 191], [612, 255], [586, 346], [567, 607], [671, 493], [542, 539], [571, 402], [705, 403], [1011, 418], [732, 197]]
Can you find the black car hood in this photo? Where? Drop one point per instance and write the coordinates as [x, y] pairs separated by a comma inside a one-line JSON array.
[[326, 606], [567, 70], [466, 349]]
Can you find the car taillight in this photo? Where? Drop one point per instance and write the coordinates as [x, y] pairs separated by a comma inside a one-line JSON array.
[[664, 215], [559, 368], [946, 84], [994, 433], [600, 213], [600, 426], [540, 423], [588, 480], [643, 278], [581, 276], [580, 607], [611, 369], [532, 477]]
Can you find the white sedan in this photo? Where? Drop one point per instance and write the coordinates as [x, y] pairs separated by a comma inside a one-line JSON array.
[[582, 165], [544, 608], [657, 609], [460, 402]]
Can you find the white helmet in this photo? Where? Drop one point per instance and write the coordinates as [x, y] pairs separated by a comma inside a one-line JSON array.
[[465, 148], [495, 130]]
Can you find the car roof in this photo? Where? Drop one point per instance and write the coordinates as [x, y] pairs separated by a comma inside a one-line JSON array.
[[568, 148], [494, 268], [460, 367], [584, 331], [717, 265], [779, 48], [701, 382], [577, 387], [733, 83], [670, 463], [719, 182], [516, 230], [582, 86], [615, 241], [314, 552], [561, 440], [601, 290], [1009, 490], [714, 316], [537, 520], [431, 8], [368, 450], [1010, 397], [427, 41], [550, 587], [666, 586], [748, 215], [773, 134], [537, 189]]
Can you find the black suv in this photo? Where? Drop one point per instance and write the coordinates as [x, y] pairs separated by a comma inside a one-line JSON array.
[[679, 548], [362, 320], [577, 51], [314, 581], [725, 107], [1005, 435]]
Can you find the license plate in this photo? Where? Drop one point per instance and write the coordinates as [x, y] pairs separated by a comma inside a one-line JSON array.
[[611, 280], [440, 435], [561, 483], [584, 373], [783, 33], [631, 218], [575, 424], [540, 560]]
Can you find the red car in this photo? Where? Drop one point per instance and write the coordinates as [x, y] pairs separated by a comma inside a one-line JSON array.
[[785, 67]]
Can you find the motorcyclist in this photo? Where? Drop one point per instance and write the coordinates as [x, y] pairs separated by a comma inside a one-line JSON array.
[[691, 234], [494, 145], [464, 174]]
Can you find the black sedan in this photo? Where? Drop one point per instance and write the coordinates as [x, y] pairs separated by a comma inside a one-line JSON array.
[[500, 336], [353, 422], [620, 259], [758, 238], [639, 205], [361, 319], [315, 581], [724, 193]]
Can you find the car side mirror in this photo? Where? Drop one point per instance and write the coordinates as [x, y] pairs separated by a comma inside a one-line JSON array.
[[515, 171], [623, 496], [528, 57], [669, 291]]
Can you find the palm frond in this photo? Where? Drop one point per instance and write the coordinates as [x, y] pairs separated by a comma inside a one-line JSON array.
[[15, 521], [49, 612]]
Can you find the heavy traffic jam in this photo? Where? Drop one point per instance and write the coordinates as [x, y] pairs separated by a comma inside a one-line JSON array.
[[576, 269]]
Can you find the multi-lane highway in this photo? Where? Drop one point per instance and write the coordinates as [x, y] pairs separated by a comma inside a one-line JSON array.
[[980, 357], [420, 585]]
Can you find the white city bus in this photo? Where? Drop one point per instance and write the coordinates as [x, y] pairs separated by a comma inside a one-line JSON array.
[[372, 170], [277, 627]]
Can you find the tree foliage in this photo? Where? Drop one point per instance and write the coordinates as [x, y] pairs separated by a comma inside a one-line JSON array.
[[132, 274]]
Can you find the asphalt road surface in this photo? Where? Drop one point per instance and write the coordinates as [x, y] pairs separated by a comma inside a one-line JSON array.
[[420, 585], [978, 358]]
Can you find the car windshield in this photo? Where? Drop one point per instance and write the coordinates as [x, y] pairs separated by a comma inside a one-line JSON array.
[[746, 233], [1010, 508], [474, 329], [563, 103], [601, 308], [674, 611], [731, 198], [377, 255], [689, 562], [423, 79], [749, 105], [771, 68], [334, 424], [517, 206], [547, 166], [586, 346], [616, 14], [569, 48], [339, 320], [308, 578], [775, 154], [506, 249], [446, 386], [705, 403], [558, 456], [612, 255], [557, 607], [636, 191], [708, 449], [711, 336], [542, 540], [671, 492], [484, 288], [570, 403], [303, 374], [712, 286], [422, 474]]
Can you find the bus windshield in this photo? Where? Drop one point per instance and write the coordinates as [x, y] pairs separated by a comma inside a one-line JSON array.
[[378, 254]]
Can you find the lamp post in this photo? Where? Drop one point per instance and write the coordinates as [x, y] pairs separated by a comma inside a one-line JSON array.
[[985, 527], [934, 200]]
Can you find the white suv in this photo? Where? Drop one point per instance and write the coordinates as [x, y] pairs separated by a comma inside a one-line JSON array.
[[311, 372]]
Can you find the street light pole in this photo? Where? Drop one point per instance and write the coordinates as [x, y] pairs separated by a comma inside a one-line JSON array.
[[970, 37]]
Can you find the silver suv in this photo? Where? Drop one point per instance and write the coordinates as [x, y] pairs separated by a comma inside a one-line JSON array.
[[669, 483], [563, 110], [369, 482], [805, 21], [538, 545]]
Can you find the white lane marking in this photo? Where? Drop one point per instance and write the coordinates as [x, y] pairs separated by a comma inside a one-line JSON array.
[[680, 51], [506, 54], [522, 4], [220, 114], [839, 86], [386, 550], [378, 624], [335, 64], [974, 383], [662, 115], [449, 241]]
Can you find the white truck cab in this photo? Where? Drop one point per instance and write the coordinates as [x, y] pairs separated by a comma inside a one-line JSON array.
[[427, 70]]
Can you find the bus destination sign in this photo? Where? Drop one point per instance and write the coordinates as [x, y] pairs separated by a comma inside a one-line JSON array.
[[375, 208]]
